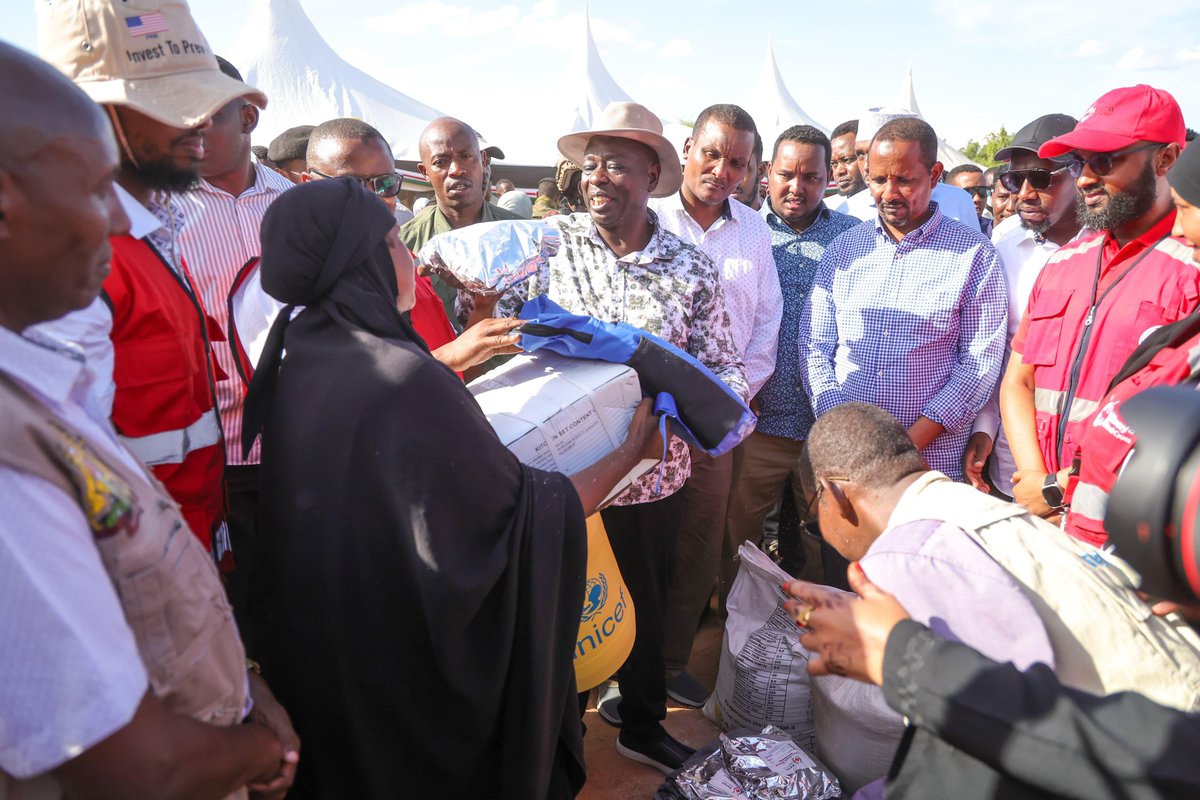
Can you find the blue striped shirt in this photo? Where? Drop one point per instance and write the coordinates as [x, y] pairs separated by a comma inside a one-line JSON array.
[[916, 327], [784, 409]]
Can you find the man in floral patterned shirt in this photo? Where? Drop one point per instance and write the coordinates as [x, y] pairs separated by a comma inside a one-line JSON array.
[[617, 264]]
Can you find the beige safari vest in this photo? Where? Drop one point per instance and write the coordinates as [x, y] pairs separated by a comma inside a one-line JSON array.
[[168, 586]]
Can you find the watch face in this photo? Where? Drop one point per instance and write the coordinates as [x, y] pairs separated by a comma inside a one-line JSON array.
[[1052, 493]]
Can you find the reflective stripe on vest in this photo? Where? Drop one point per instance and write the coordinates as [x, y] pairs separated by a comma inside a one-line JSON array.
[[1050, 401], [172, 447], [1089, 501]]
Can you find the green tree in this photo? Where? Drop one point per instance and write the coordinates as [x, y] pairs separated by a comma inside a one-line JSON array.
[[985, 153]]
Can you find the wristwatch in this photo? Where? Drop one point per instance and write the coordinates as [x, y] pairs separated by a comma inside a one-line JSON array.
[[1052, 493]]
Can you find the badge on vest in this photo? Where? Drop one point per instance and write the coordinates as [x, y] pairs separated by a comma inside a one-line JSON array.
[[107, 500]]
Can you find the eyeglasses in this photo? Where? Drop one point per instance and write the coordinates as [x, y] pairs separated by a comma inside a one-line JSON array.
[[1039, 179], [978, 191], [1102, 163], [385, 185], [816, 498]]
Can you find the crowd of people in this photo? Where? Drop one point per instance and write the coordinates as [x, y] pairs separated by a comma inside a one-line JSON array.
[[245, 481]]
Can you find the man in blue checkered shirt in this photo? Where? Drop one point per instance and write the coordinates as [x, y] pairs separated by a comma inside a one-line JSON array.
[[908, 311]]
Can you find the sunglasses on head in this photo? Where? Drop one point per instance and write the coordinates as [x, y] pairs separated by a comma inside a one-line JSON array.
[[1039, 179], [385, 185], [1102, 163]]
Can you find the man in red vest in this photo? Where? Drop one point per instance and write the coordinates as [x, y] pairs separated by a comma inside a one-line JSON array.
[[1099, 295], [159, 84]]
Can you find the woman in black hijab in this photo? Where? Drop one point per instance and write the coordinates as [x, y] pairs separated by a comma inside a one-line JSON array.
[[417, 589]]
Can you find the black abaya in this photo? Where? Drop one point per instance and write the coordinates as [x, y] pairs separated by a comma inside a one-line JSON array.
[[417, 589]]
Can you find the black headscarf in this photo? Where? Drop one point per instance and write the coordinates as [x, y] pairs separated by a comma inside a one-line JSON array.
[[323, 245], [416, 594], [1184, 176]]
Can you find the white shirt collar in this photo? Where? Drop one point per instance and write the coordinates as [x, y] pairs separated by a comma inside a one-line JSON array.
[[142, 223], [46, 364]]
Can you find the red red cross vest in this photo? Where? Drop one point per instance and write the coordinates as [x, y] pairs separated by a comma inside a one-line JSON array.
[[1079, 335], [165, 402]]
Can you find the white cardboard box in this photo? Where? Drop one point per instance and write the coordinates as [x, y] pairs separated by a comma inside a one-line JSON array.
[[561, 414]]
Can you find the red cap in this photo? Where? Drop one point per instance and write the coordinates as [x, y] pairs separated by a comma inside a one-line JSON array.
[[1120, 119]]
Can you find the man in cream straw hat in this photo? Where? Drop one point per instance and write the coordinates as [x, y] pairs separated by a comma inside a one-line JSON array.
[[618, 264], [151, 70]]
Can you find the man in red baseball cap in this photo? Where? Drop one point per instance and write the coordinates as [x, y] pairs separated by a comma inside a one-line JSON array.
[[1098, 295]]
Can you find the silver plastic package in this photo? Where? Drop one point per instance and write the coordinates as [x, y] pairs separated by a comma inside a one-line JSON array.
[[490, 258], [764, 766]]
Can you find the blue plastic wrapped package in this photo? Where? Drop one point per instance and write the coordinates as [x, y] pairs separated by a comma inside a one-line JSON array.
[[712, 416], [490, 258]]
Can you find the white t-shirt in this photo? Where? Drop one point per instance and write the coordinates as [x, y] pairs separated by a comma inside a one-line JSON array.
[[70, 673]]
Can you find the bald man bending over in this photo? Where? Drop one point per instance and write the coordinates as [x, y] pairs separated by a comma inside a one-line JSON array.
[[102, 585], [453, 163]]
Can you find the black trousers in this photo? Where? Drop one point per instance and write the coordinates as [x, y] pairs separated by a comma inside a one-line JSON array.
[[241, 491], [643, 540]]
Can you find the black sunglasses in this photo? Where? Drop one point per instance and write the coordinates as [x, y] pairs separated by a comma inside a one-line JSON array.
[[1039, 179], [385, 185], [980, 191], [1102, 163]]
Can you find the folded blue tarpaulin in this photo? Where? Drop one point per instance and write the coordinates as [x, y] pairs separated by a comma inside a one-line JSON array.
[[712, 416]]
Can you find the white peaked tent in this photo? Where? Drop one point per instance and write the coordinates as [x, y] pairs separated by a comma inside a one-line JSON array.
[[772, 105], [949, 155], [280, 52], [573, 102]]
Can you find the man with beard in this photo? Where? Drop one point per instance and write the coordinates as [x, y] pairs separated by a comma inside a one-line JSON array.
[[802, 227], [908, 310], [844, 166], [1046, 211], [163, 375], [1098, 296], [453, 163]]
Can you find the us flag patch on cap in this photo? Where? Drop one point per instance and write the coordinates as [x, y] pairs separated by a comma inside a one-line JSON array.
[[146, 24]]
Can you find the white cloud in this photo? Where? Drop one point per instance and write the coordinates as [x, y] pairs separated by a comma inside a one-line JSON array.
[[1188, 54], [1091, 48], [1138, 59], [676, 48]]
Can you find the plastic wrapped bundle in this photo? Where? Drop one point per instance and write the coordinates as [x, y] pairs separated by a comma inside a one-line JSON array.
[[745, 765], [490, 257]]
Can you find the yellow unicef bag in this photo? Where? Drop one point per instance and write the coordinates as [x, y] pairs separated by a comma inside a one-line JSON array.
[[607, 625]]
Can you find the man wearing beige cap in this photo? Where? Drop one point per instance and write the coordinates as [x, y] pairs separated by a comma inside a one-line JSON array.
[[121, 672], [617, 263], [159, 84]]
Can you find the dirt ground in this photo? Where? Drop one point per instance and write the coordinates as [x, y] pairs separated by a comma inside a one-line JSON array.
[[611, 776]]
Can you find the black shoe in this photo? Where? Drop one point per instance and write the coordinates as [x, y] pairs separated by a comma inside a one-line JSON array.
[[685, 689], [665, 753], [608, 705]]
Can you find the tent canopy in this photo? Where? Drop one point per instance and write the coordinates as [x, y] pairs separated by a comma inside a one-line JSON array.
[[949, 155], [281, 52], [773, 107]]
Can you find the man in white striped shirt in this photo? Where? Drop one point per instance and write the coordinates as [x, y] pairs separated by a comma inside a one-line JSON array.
[[219, 235]]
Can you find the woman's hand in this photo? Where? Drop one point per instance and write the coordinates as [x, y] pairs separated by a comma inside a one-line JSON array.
[[848, 634], [478, 343]]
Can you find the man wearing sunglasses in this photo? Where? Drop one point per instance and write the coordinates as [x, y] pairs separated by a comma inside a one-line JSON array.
[[1045, 195], [1098, 296], [349, 147]]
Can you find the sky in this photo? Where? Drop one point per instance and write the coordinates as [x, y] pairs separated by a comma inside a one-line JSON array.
[[977, 64]]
